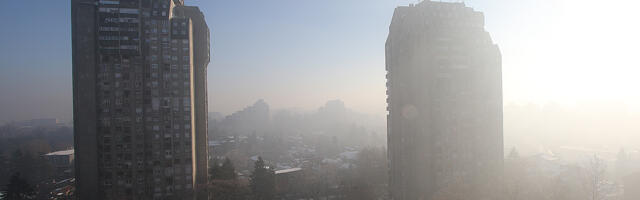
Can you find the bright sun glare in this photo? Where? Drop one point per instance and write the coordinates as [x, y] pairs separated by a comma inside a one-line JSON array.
[[588, 52]]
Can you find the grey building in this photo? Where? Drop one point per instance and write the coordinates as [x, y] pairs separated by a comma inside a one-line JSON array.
[[444, 95], [61, 161], [140, 99]]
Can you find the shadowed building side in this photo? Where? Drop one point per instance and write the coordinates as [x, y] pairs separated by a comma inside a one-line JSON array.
[[84, 46], [140, 101]]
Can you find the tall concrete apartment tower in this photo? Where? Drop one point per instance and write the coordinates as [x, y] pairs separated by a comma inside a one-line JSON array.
[[444, 87], [139, 99]]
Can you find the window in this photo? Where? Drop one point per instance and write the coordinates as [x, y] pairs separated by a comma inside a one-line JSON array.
[[106, 122], [155, 103]]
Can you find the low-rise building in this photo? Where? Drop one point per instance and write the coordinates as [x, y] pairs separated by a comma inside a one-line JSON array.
[[61, 161]]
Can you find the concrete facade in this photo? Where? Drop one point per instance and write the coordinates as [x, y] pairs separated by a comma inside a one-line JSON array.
[[444, 88], [140, 102]]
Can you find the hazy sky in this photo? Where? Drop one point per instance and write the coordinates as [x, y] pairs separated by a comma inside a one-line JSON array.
[[301, 53]]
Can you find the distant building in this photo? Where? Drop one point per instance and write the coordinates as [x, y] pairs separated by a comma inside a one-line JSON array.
[[61, 161], [444, 87], [140, 98], [252, 119]]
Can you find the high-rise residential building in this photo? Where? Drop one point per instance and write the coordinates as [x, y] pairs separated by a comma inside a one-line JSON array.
[[444, 87], [140, 99]]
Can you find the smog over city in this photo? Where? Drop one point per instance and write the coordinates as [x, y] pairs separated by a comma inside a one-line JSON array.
[[320, 99]]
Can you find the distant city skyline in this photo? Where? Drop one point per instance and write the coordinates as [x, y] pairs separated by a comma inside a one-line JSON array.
[[300, 54]]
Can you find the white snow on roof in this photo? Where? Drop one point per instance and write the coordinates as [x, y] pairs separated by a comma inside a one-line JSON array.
[[288, 170], [214, 143], [60, 153]]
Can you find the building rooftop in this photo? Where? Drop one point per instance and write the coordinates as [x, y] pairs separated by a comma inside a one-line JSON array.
[[60, 153], [288, 170]]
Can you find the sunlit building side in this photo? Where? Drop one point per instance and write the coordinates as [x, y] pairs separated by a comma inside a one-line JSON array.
[[140, 101], [444, 87]]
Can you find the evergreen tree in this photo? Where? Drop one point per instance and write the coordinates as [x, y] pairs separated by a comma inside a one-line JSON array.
[[214, 170], [18, 188], [32, 168], [227, 170], [263, 181]]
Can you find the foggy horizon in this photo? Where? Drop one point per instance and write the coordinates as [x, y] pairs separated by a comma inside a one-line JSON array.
[[532, 73]]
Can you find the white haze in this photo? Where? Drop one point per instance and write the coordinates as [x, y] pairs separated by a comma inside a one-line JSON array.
[[570, 72]]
